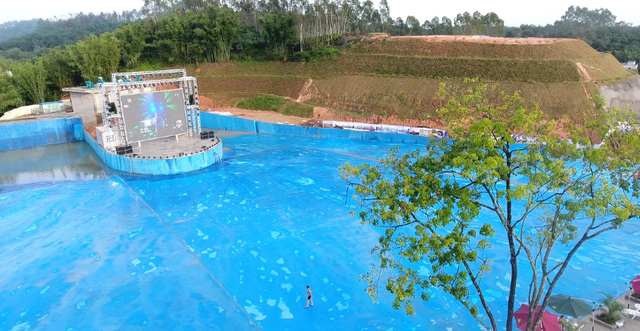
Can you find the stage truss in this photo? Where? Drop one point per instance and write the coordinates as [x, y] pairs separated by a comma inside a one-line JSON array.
[[147, 81]]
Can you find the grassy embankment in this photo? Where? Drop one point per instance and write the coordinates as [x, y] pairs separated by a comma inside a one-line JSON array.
[[399, 76]]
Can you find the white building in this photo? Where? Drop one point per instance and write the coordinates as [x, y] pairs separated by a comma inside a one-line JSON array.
[[633, 65]]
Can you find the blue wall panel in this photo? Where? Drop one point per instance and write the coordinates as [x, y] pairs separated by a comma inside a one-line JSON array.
[[222, 122], [157, 166], [39, 133]]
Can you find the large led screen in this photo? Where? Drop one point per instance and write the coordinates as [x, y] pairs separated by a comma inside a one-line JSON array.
[[154, 114]]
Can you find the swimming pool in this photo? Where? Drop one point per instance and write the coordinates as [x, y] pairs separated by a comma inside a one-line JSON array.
[[230, 247]]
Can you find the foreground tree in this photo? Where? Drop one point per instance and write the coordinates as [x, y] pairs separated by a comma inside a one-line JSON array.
[[551, 192]]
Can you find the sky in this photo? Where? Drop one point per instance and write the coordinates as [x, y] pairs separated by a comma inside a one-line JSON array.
[[512, 12]]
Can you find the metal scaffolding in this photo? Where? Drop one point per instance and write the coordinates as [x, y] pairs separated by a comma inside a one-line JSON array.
[[111, 92], [143, 75]]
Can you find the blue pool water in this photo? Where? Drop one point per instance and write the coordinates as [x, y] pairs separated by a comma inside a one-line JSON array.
[[231, 247]]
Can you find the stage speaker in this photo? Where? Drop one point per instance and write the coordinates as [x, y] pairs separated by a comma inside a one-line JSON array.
[[111, 107], [121, 150], [204, 134], [192, 100]]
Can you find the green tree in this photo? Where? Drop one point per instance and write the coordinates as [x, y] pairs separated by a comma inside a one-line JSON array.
[[279, 32], [9, 96], [222, 30], [61, 70], [169, 40], [429, 203], [31, 78], [132, 37], [97, 56], [385, 15]]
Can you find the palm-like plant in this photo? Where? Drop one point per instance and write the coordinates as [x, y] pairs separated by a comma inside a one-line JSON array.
[[613, 307]]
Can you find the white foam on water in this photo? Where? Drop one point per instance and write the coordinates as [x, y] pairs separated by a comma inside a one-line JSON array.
[[81, 305], [303, 274], [33, 227], [254, 311], [285, 269], [134, 233], [213, 255], [287, 287], [135, 262], [341, 306], [44, 290], [21, 327], [273, 272], [200, 233], [263, 259], [311, 257], [286, 312], [325, 280], [280, 261], [271, 302], [275, 234], [305, 181], [153, 268], [254, 253]]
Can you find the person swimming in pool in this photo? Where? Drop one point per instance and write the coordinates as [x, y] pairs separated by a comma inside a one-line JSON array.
[[309, 299]]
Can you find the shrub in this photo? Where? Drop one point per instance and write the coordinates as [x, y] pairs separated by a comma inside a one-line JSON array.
[[317, 53], [298, 109], [263, 102]]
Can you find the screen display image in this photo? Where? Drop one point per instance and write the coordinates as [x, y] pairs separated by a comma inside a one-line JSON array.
[[154, 114]]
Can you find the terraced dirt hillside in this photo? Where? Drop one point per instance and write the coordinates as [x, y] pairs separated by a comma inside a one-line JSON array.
[[380, 77]]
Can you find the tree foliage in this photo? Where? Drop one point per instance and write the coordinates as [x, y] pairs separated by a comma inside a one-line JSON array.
[[31, 77], [97, 56], [9, 96], [433, 204]]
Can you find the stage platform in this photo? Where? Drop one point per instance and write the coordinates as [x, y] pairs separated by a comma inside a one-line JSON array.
[[164, 156], [169, 148]]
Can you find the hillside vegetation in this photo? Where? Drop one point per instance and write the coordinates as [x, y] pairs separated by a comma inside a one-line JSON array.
[[400, 75]]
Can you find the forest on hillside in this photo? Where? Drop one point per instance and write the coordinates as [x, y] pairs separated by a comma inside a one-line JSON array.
[[62, 53]]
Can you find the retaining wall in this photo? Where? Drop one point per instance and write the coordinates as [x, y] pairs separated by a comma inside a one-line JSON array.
[[39, 133], [223, 122]]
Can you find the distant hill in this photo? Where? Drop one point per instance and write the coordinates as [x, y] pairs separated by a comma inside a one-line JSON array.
[[53, 33], [400, 75], [13, 29]]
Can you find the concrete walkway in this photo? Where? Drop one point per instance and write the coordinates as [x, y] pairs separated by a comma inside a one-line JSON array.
[[630, 323]]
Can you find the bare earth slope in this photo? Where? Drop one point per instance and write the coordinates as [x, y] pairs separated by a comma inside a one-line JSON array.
[[394, 79]]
